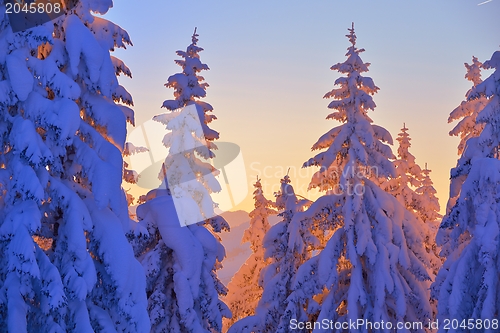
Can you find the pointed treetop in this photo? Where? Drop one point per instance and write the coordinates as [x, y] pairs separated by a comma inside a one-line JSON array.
[[286, 179], [403, 135], [353, 62], [404, 130], [474, 71], [352, 35], [426, 172], [194, 38], [257, 184], [193, 49], [404, 142]]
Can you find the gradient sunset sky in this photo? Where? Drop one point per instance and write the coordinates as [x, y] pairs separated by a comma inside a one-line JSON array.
[[270, 63]]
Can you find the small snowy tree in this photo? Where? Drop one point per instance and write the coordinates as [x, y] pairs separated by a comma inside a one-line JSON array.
[[66, 263], [174, 238], [413, 188], [245, 290], [467, 111], [466, 128], [374, 266], [408, 173], [467, 284], [428, 207], [427, 210], [286, 246]]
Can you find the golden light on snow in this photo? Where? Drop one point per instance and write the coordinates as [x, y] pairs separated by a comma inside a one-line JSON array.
[[44, 243]]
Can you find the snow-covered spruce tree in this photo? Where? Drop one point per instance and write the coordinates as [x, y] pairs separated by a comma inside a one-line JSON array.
[[66, 265], [467, 111], [467, 284], [413, 188], [374, 266], [427, 210], [180, 262], [179, 251], [408, 173], [467, 127], [244, 290], [285, 246], [428, 204]]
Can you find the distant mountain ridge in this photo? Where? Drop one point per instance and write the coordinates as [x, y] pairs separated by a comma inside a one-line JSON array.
[[236, 218]]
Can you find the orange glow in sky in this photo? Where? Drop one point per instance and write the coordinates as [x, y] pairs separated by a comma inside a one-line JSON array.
[[270, 63]]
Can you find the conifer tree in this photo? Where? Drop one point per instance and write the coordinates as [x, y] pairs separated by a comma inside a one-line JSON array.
[[467, 111], [413, 188], [428, 208], [179, 250], [408, 173], [285, 245], [245, 288], [66, 263], [467, 284], [374, 266], [427, 211], [467, 127]]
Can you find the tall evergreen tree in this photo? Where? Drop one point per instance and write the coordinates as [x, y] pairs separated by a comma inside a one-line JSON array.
[[190, 139], [374, 266], [66, 263], [467, 127], [467, 284], [179, 250], [245, 288]]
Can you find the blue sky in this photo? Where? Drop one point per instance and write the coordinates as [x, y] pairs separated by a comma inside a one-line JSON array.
[[270, 63]]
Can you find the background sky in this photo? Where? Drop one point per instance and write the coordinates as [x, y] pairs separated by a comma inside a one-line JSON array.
[[270, 67]]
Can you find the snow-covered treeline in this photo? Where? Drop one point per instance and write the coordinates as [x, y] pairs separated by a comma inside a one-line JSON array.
[[374, 246]]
